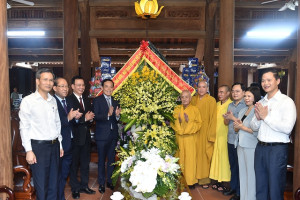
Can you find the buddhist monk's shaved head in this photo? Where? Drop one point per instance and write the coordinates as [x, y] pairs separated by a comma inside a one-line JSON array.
[[202, 88], [185, 97]]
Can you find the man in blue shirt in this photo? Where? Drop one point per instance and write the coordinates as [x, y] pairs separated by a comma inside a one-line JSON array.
[[237, 93]]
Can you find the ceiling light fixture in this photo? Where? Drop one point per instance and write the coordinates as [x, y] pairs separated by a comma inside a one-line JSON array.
[[268, 34], [25, 33], [147, 9]]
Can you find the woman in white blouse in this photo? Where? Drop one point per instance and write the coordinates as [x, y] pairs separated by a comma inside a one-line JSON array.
[[246, 143]]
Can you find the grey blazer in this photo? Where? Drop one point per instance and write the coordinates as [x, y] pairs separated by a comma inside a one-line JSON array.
[[246, 139]]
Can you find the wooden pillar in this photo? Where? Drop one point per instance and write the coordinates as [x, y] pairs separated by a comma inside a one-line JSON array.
[[200, 49], [209, 48], [291, 80], [239, 75], [250, 77], [226, 42], [95, 52], [70, 39], [6, 174], [296, 171], [85, 42]]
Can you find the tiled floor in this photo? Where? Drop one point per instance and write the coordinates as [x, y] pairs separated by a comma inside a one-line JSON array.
[[197, 194]]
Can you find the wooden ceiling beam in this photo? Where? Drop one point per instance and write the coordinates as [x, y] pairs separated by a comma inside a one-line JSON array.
[[151, 34], [118, 3]]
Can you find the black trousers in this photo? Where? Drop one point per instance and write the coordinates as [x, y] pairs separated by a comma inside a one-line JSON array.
[[45, 171], [106, 149], [81, 159], [234, 168], [64, 170], [270, 171]]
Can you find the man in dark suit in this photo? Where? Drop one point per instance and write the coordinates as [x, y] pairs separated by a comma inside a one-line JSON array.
[[66, 114], [107, 113], [81, 139]]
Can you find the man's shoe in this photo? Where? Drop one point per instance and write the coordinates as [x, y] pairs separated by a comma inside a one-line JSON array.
[[75, 195], [235, 197], [87, 190], [101, 189], [110, 186], [229, 192]]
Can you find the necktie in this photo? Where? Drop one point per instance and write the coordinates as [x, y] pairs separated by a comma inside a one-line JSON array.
[[65, 106], [81, 104], [108, 102]]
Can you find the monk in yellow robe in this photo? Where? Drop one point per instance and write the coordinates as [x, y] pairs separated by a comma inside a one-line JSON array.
[[220, 168], [186, 125], [207, 135]]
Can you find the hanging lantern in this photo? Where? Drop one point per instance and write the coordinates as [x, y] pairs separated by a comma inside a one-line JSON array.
[[147, 9]]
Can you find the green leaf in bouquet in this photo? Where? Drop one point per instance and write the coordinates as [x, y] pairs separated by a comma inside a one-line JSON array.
[[115, 175], [124, 150], [124, 118], [128, 126], [160, 188], [148, 194], [168, 116]]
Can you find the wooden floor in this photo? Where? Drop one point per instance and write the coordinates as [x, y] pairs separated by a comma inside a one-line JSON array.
[[198, 193]]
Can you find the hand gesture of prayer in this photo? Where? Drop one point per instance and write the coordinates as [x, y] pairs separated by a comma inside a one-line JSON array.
[[261, 111], [186, 117], [110, 111], [118, 111], [179, 118], [89, 116]]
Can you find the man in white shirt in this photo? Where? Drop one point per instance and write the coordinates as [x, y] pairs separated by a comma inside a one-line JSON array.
[[40, 132], [275, 117]]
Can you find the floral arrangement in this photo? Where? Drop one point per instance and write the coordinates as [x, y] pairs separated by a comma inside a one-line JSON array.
[[147, 161]]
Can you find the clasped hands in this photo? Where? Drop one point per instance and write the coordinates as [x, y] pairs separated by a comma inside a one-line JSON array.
[[111, 111], [186, 117], [260, 111]]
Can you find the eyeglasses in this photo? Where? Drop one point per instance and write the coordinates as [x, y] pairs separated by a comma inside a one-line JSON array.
[[80, 85], [62, 86]]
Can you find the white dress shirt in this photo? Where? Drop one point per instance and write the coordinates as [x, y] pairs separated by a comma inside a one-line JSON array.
[[39, 120], [279, 123]]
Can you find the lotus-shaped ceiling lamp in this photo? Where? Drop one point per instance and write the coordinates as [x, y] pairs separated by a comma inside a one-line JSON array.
[[147, 9]]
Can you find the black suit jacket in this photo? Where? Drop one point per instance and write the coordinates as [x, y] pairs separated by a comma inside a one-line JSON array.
[[66, 126], [81, 128], [103, 124]]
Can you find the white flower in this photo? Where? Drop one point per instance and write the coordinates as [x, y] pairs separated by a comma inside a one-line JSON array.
[[127, 163], [184, 196], [144, 180], [117, 196]]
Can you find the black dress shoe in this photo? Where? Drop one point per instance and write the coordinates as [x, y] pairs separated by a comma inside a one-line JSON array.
[[235, 197], [101, 189], [75, 195], [192, 187], [87, 190], [229, 192], [110, 186]]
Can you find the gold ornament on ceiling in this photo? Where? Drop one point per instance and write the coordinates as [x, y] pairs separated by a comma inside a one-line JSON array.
[[147, 9]]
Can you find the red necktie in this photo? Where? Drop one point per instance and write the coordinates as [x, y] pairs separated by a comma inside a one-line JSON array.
[[81, 104]]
